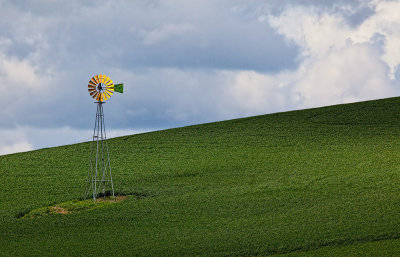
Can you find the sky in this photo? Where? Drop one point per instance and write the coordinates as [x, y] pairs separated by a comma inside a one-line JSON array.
[[186, 62]]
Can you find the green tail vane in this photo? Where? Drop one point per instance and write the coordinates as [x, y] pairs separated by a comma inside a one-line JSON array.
[[119, 88]]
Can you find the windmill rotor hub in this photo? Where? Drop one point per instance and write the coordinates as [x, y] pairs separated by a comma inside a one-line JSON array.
[[100, 88]]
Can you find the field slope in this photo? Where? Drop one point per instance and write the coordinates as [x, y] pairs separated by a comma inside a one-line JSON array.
[[315, 182]]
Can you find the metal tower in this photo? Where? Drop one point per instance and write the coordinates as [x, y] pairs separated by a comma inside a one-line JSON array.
[[99, 174], [99, 180]]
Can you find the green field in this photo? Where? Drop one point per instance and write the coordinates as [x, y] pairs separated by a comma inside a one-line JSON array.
[[317, 182]]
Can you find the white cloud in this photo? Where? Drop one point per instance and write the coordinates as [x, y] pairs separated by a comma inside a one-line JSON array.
[[14, 141], [386, 22], [342, 63], [350, 74], [22, 73], [315, 32], [254, 93], [23, 87], [16, 147], [319, 32]]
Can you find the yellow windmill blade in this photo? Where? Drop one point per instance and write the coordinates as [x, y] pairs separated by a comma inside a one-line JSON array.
[[102, 78], [110, 89], [110, 83], [107, 94], [106, 80]]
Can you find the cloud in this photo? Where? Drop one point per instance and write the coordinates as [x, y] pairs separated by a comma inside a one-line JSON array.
[[341, 63], [51, 49], [188, 62], [182, 97], [385, 22], [16, 147], [253, 93], [338, 63], [168, 31], [349, 74], [23, 73], [319, 32], [13, 141], [23, 87], [166, 34]]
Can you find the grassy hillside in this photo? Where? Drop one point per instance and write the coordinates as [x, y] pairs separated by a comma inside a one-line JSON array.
[[317, 182]]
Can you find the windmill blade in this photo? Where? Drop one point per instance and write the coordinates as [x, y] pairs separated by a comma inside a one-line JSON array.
[[110, 88], [107, 94], [105, 81]]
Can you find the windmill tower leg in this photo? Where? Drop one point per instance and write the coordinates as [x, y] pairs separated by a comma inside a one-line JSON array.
[[99, 174]]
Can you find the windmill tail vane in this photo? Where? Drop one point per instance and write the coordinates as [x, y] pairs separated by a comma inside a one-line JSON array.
[[119, 88], [99, 179]]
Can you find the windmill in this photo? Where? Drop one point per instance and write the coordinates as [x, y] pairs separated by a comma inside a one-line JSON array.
[[101, 88]]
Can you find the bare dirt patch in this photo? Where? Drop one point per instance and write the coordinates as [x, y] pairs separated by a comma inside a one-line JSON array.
[[59, 210]]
